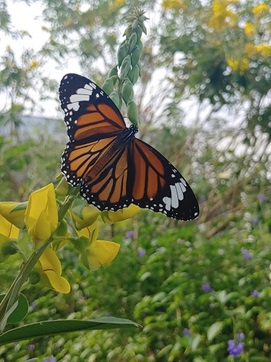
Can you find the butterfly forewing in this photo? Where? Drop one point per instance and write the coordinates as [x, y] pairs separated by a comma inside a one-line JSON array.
[[89, 112]]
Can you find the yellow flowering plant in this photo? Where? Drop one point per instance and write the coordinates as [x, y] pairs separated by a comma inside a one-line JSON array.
[[55, 215]]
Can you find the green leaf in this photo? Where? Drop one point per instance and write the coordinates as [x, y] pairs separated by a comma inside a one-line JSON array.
[[214, 330], [20, 311], [60, 326]]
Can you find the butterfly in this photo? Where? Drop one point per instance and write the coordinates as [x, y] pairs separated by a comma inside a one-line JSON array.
[[112, 167]]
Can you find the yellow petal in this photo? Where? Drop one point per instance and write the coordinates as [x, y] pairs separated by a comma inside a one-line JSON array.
[[57, 282], [50, 269], [8, 229], [41, 217], [100, 253], [110, 217], [83, 214], [40, 229], [50, 261], [14, 212], [90, 232]]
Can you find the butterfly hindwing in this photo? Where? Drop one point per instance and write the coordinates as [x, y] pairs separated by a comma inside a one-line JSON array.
[[159, 186], [111, 188]]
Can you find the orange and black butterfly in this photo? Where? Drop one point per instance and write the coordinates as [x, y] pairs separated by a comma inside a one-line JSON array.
[[112, 167]]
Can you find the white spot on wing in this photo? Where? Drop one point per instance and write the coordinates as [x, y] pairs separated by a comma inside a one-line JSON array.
[[79, 98], [174, 197], [167, 202], [180, 190]]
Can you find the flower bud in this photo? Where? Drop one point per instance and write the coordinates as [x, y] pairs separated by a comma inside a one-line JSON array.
[[127, 91], [134, 74], [122, 52], [132, 113], [132, 41], [116, 98], [125, 66], [135, 56], [108, 85]]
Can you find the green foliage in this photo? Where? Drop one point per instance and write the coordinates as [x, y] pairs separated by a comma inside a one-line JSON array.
[[193, 287]]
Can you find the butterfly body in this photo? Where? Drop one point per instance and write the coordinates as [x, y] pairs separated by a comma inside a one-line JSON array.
[[111, 165]]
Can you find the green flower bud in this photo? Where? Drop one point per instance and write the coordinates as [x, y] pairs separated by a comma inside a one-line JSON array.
[[125, 66], [127, 91], [135, 56], [113, 71], [9, 248], [108, 85], [132, 41], [132, 113], [134, 74], [116, 98], [143, 27], [138, 32], [122, 52], [135, 24]]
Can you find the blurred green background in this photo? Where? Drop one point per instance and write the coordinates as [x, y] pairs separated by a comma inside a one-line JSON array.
[[204, 102]]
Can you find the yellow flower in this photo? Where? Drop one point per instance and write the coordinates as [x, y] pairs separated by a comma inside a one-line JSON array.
[[8, 229], [41, 217], [90, 232], [14, 212], [260, 9], [99, 253], [87, 236], [50, 271], [172, 4], [110, 217], [263, 49], [83, 214], [249, 28], [8, 233], [221, 15], [238, 64]]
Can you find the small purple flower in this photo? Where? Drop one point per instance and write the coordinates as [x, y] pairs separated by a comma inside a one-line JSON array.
[[234, 348], [240, 336], [261, 197], [255, 293], [130, 234], [246, 254], [254, 220], [186, 332], [31, 347], [206, 288], [141, 252]]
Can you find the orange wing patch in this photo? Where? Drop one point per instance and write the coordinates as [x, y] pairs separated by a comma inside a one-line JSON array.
[[111, 183], [100, 120], [149, 168]]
